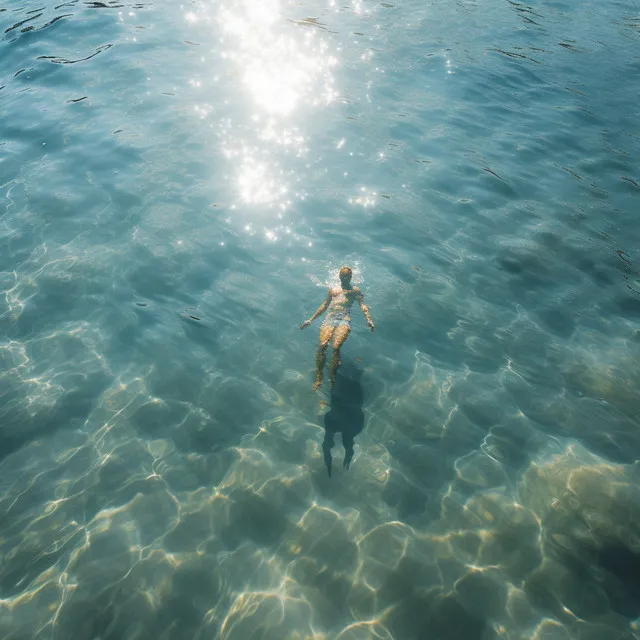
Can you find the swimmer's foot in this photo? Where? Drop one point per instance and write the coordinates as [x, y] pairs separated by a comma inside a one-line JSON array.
[[317, 383]]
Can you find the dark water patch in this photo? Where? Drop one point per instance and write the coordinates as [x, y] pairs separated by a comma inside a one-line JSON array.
[[409, 593], [525, 262], [418, 608], [449, 618], [236, 408], [56, 300], [560, 321], [28, 558], [476, 401], [628, 305], [29, 561], [511, 443], [119, 605], [623, 588], [195, 588], [254, 518], [68, 411], [603, 428], [327, 580], [323, 557], [124, 609], [197, 419], [159, 419], [584, 258], [409, 500], [433, 339], [482, 594], [193, 530], [158, 279], [593, 581], [202, 330]]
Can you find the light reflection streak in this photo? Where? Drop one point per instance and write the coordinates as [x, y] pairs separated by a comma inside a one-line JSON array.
[[366, 198], [278, 69], [286, 72]]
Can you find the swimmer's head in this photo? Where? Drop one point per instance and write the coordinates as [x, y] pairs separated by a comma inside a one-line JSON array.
[[345, 275]]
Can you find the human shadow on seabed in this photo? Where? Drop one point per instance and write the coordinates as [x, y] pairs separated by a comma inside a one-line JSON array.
[[345, 415]]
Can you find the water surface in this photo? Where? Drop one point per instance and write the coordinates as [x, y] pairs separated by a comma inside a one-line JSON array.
[[179, 184]]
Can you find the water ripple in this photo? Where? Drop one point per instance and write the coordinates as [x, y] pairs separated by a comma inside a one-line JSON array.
[[170, 213]]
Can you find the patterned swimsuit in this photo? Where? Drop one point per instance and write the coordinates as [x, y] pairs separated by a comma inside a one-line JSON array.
[[339, 315]]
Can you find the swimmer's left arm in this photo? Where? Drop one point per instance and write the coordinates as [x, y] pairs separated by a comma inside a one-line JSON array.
[[365, 309]]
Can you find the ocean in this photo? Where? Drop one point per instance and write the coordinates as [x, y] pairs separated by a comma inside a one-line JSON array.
[[179, 186]]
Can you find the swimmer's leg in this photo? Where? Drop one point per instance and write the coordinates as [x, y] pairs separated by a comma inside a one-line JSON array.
[[339, 336], [321, 355]]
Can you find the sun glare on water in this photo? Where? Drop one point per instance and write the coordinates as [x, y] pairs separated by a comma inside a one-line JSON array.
[[284, 68]]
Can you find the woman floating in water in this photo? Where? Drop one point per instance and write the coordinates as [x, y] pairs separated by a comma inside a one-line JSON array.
[[337, 323]]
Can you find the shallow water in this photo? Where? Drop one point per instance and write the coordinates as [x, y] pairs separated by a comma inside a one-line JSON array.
[[178, 185]]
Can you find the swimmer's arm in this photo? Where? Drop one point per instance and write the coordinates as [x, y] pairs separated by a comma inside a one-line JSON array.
[[365, 309], [321, 309]]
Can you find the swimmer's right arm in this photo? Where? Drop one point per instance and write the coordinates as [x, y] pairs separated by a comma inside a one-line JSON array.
[[321, 309]]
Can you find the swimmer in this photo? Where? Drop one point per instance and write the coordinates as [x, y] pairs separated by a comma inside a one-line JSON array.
[[337, 323]]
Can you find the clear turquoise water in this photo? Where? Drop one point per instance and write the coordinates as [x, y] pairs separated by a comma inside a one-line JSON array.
[[179, 183]]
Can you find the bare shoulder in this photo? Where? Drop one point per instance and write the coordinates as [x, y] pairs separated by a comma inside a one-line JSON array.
[[357, 293]]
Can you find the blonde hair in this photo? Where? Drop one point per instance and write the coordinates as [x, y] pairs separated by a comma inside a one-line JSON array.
[[345, 273]]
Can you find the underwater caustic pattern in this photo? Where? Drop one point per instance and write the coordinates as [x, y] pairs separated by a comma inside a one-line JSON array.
[[179, 184]]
